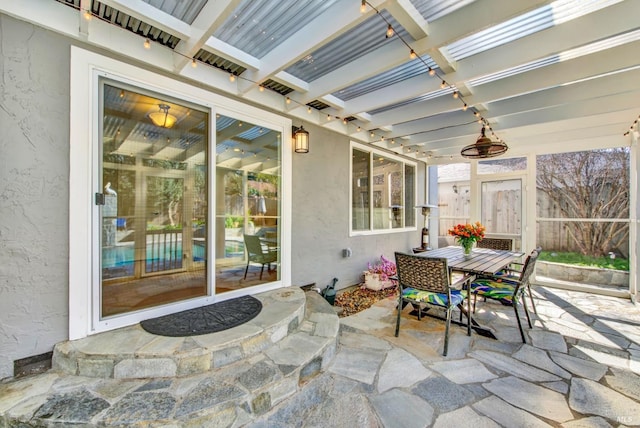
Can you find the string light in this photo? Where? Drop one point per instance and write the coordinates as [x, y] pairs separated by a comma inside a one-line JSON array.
[[328, 117], [194, 64], [443, 84], [363, 6], [147, 44], [432, 72], [455, 94], [309, 110], [288, 100], [344, 121], [412, 54], [464, 107], [261, 88], [389, 31], [232, 77], [358, 129], [87, 15], [633, 125]]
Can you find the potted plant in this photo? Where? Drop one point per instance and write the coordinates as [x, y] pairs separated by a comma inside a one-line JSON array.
[[377, 276]]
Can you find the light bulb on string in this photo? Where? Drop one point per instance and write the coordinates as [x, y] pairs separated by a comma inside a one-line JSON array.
[[309, 110], [261, 88], [455, 94], [412, 54], [288, 100], [358, 129], [389, 31], [194, 64], [147, 44], [328, 117], [87, 15], [432, 72], [443, 84], [464, 107], [232, 77], [344, 121], [363, 6]]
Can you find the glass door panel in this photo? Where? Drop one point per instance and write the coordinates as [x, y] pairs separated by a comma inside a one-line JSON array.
[[153, 204], [248, 205]]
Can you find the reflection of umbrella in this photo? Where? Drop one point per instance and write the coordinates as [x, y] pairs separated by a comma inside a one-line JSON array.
[[262, 205]]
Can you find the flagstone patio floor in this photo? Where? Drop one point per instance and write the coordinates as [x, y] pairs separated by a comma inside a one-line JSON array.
[[580, 367]]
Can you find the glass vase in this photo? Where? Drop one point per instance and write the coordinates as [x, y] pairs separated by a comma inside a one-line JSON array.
[[466, 249]]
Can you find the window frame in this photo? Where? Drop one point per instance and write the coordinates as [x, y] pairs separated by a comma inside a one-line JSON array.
[[375, 152]]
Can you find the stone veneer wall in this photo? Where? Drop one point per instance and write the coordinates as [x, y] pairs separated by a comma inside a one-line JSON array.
[[34, 198], [583, 275]]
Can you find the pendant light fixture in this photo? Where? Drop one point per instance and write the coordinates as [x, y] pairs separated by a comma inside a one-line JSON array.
[[162, 118], [301, 140], [484, 148]]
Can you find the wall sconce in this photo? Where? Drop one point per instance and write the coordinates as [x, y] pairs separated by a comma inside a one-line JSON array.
[[162, 118], [301, 140]]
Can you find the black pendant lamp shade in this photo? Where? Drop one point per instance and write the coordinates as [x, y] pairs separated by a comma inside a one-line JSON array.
[[484, 148]]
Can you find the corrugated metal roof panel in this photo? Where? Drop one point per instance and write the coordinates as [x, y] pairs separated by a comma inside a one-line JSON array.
[[366, 37], [402, 72], [528, 23], [256, 27], [186, 11], [219, 62], [434, 9], [277, 87], [424, 97]]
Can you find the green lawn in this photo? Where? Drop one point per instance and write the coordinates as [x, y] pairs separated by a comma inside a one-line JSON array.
[[581, 260]]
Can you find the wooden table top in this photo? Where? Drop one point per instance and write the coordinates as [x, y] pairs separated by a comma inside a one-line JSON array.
[[482, 260]]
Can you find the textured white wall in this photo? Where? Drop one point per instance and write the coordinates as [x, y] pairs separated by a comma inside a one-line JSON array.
[[34, 190], [34, 198]]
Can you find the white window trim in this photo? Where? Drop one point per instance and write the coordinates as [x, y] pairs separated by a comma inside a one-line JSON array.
[[404, 161], [85, 68]]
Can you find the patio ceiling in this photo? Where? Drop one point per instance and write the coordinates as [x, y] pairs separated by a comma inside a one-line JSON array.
[[538, 72]]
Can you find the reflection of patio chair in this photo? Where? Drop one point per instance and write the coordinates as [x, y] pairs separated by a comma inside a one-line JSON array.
[[426, 281], [255, 254], [509, 288]]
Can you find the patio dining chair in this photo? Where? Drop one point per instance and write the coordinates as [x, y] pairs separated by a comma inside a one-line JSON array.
[[257, 254], [509, 288], [496, 243], [426, 281]]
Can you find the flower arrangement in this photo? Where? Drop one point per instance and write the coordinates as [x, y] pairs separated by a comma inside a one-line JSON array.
[[376, 277], [467, 234]]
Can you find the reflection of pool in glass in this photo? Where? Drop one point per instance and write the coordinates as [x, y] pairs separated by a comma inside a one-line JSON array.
[[118, 261]]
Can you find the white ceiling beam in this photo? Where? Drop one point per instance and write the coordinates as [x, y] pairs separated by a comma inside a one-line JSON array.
[[225, 50], [566, 36], [443, 31], [543, 78], [335, 21], [212, 15], [152, 16], [408, 17]]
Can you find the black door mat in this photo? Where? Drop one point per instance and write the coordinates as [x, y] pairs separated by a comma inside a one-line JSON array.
[[207, 319]]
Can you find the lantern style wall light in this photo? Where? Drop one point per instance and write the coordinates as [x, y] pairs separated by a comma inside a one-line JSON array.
[[301, 140]]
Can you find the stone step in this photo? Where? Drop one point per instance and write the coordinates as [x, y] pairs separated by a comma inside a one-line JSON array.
[[132, 352], [233, 394]]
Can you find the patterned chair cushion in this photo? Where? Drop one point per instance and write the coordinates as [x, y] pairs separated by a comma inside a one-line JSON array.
[[439, 299], [496, 289]]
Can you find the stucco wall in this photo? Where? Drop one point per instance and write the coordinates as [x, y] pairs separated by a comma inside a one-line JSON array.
[[34, 190], [34, 198], [321, 216]]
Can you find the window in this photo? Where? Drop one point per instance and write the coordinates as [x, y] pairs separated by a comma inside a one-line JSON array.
[[383, 190]]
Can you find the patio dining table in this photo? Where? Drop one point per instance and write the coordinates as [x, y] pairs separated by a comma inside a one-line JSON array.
[[482, 261]]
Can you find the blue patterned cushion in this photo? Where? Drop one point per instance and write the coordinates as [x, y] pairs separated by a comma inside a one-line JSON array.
[[439, 299], [496, 289]]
